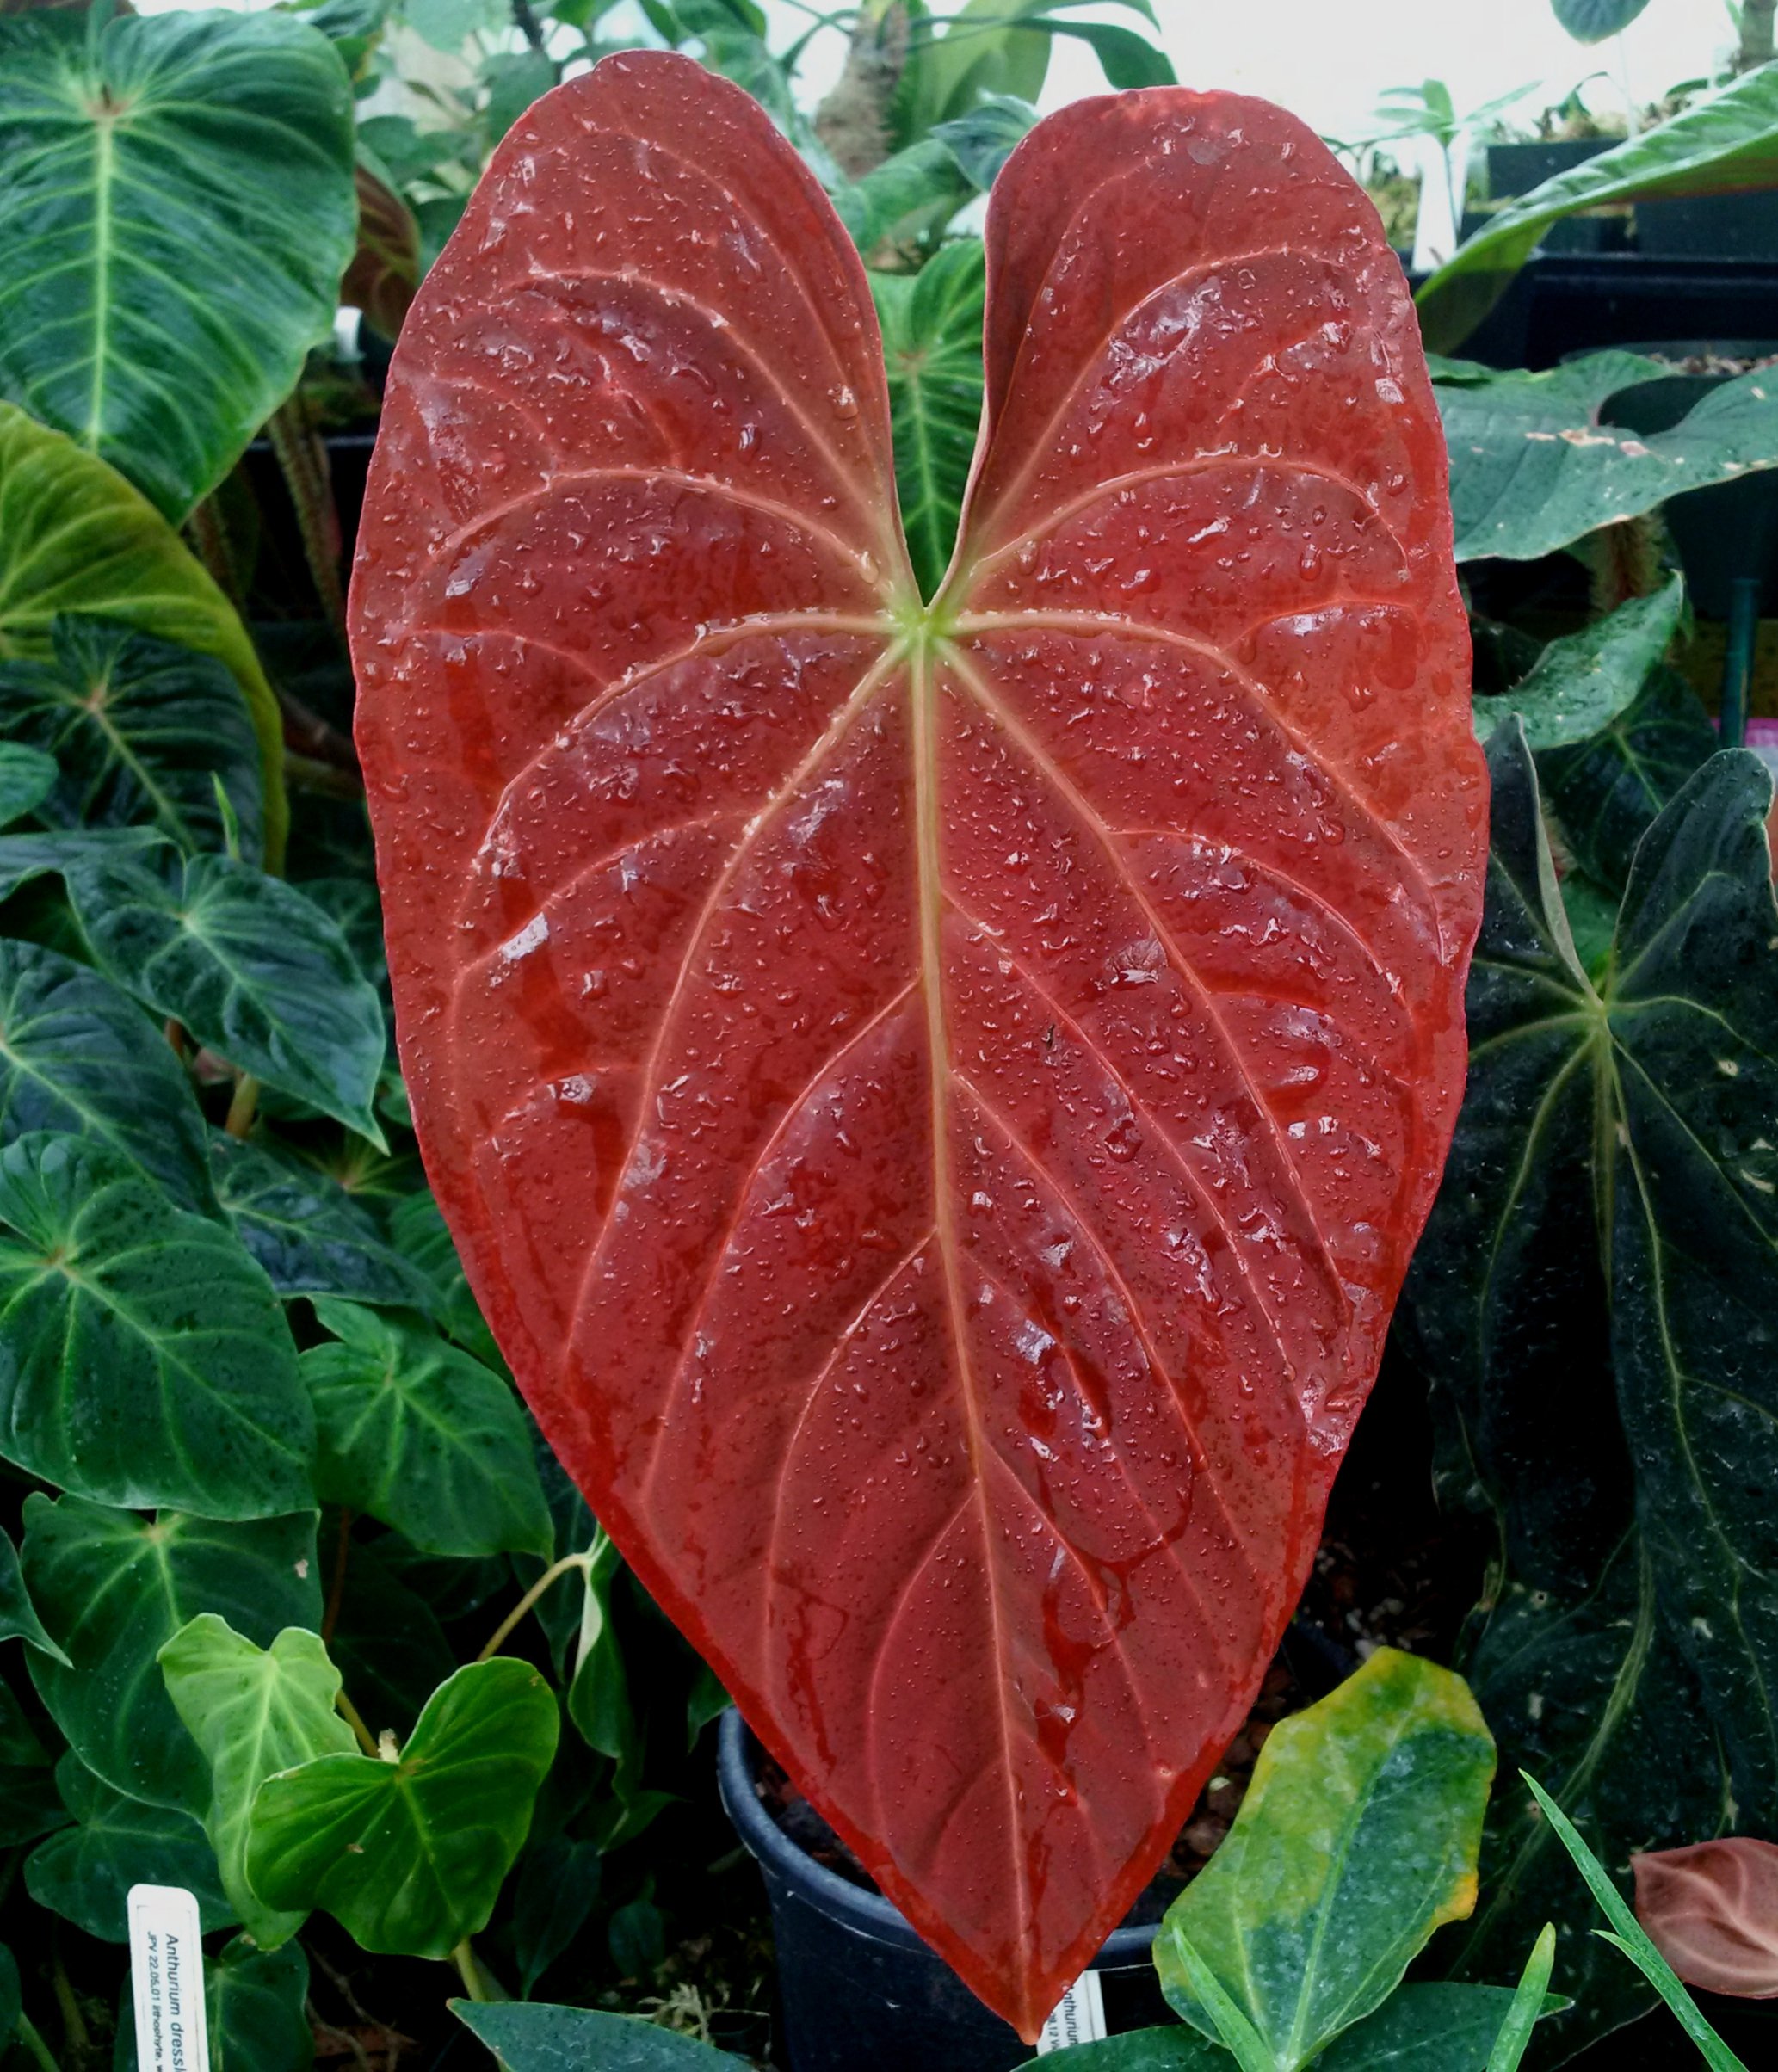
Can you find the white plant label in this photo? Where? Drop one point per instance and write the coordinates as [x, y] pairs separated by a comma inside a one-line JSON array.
[[1078, 2018], [167, 1979]]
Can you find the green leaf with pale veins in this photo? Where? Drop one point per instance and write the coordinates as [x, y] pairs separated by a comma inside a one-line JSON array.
[[306, 1232], [414, 1431], [177, 207], [252, 969], [143, 1358], [85, 1871], [1532, 469], [114, 1588], [141, 731], [28, 776], [1357, 1838], [410, 1856], [18, 1615], [78, 1056], [932, 344], [1584, 682], [253, 1712], [257, 2003], [76, 538]]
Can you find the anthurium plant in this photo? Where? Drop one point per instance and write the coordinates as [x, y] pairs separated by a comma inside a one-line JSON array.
[[931, 827]]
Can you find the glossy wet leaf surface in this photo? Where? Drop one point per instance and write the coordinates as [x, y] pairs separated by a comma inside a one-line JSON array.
[[935, 1103], [252, 1710], [114, 1588], [75, 537], [306, 1232], [254, 971], [411, 1855], [417, 1433], [147, 1359], [1584, 681], [177, 208], [1532, 469], [1590, 1295], [84, 1872], [142, 732], [78, 1056], [1356, 1839]]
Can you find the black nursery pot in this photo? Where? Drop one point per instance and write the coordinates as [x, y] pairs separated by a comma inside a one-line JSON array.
[[1730, 529], [858, 1989]]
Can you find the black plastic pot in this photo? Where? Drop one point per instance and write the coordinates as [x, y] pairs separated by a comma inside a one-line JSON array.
[[1729, 530], [1515, 169], [1564, 303], [1711, 226], [858, 1989]]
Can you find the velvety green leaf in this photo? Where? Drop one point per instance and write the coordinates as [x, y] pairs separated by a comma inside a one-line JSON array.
[[1434, 2028], [251, 968], [1357, 1838], [84, 1872], [30, 1805], [18, 1615], [983, 140], [256, 2001], [28, 776], [918, 189], [533, 2038], [1171, 2050], [177, 208], [1585, 681], [141, 731], [417, 1433], [1724, 144], [306, 1232], [410, 1856], [32, 853], [252, 1711], [1532, 469], [75, 537], [387, 1641], [1604, 793], [932, 343], [557, 1887], [114, 1588], [421, 1237], [1593, 20], [82, 1057], [143, 1358]]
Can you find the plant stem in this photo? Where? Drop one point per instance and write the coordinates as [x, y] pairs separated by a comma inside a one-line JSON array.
[[36, 2045], [529, 27], [349, 1713], [552, 1574], [468, 1971], [337, 1588], [240, 1109], [74, 2028]]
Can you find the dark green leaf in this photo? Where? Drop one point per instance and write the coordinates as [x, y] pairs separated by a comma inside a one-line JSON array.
[[252, 1711], [535, 2038], [33, 853], [421, 1237], [79, 1055], [1127, 59], [76, 538], [1725, 144], [388, 1640], [1358, 1836], [916, 190], [1585, 681], [410, 1856], [1532, 469], [556, 1891], [30, 1805], [143, 1358], [1437, 2028], [11, 1999], [932, 344], [28, 776], [1593, 20], [143, 731], [983, 139], [18, 1615], [251, 967], [1605, 792], [114, 1587], [83, 1873], [599, 1693], [178, 206], [1172, 2049], [417, 1433], [514, 79], [257, 2005], [636, 1935], [307, 1233]]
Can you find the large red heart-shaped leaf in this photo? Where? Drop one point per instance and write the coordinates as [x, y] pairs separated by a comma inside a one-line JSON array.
[[936, 1102]]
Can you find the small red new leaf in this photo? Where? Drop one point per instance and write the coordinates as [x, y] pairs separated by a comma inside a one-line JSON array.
[[1712, 1911], [936, 1102]]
